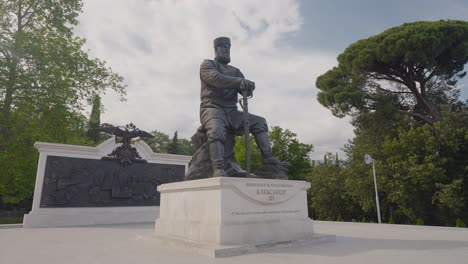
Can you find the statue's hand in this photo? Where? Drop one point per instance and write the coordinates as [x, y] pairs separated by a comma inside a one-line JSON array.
[[248, 86]]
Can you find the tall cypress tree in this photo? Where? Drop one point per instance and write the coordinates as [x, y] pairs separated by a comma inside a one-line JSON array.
[[95, 119], [173, 147]]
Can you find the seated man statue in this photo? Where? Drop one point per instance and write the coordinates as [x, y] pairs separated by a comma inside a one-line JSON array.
[[221, 121]]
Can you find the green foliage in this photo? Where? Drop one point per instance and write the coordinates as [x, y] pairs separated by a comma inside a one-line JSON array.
[[10, 220], [421, 169], [327, 194], [412, 65], [413, 166], [339, 218], [400, 88], [43, 63], [450, 196], [18, 158], [363, 219], [162, 144], [285, 147], [46, 78], [255, 155], [371, 130], [358, 179], [391, 220], [95, 119], [185, 147], [419, 221], [173, 147], [459, 223]]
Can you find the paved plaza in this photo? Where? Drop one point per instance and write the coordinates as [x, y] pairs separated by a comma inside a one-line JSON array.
[[355, 243]]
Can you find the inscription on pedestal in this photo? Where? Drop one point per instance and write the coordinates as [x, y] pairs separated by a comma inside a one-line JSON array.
[[266, 212], [270, 193]]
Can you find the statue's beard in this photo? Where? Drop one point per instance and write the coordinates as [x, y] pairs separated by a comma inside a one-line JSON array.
[[223, 57]]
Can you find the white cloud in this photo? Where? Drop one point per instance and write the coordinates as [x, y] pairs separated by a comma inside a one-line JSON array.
[[158, 46]]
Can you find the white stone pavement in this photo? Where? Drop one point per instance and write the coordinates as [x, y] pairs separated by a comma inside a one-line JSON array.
[[134, 244]]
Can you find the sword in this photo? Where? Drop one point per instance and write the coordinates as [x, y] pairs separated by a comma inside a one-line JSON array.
[[245, 108]]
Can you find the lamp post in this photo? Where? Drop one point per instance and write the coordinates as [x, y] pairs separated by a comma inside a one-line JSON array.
[[368, 160]]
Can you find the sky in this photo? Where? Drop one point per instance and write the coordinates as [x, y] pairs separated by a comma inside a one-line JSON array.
[[281, 45]]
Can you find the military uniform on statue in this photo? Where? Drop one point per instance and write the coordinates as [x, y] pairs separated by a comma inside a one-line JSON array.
[[221, 121]]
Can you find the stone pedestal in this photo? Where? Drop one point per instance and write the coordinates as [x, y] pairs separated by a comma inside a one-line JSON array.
[[230, 216]]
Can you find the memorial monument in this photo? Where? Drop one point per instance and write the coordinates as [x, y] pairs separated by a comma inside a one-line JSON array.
[[108, 184], [221, 210], [221, 121]]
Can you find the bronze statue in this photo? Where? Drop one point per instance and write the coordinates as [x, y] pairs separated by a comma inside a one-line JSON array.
[[221, 121]]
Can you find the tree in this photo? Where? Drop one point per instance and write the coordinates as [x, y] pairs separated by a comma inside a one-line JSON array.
[[371, 130], [421, 169], [412, 168], [162, 144], [159, 143], [255, 155], [95, 119], [42, 64], [18, 158], [185, 147], [285, 147], [173, 147], [46, 79], [411, 66], [358, 181], [400, 89], [451, 196], [327, 193]]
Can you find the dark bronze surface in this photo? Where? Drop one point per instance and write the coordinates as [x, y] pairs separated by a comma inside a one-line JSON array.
[[77, 182], [125, 154], [221, 121]]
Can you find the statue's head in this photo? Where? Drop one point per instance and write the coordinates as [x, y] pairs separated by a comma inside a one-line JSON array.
[[222, 46]]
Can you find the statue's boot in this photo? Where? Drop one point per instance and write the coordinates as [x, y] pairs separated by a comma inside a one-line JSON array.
[[231, 167], [217, 158], [263, 143]]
